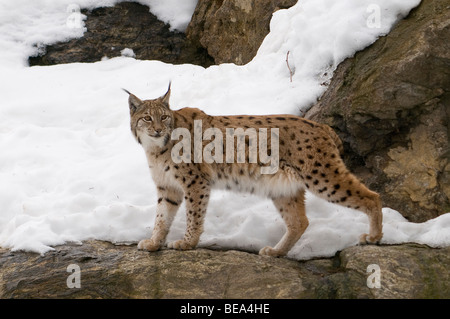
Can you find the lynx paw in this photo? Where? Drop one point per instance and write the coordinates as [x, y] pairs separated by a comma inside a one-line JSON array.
[[367, 239], [180, 245], [269, 251], [148, 244]]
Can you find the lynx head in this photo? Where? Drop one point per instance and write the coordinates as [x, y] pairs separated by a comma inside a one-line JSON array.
[[151, 121]]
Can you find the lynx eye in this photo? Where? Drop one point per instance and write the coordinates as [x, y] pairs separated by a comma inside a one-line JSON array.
[[164, 117], [147, 118]]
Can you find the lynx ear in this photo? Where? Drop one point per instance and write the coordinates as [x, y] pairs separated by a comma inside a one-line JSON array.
[[166, 97], [133, 101]]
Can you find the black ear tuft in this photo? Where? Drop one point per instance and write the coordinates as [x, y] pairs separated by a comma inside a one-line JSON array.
[[133, 101], [165, 98]]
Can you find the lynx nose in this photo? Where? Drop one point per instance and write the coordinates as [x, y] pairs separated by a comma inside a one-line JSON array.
[[158, 131]]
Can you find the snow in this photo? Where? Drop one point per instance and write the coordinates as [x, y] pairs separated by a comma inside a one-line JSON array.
[[23, 23], [177, 13], [128, 53], [70, 169]]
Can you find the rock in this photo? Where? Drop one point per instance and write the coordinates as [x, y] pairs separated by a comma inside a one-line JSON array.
[[233, 30], [109, 271], [406, 271], [390, 106], [126, 25]]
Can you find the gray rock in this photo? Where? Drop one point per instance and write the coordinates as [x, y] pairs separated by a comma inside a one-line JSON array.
[[126, 25], [232, 31], [390, 106], [110, 271]]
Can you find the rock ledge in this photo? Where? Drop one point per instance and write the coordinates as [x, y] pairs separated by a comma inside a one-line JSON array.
[[111, 271]]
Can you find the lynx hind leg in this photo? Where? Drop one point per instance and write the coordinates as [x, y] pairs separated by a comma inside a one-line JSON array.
[[292, 210], [343, 188], [361, 198], [168, 202], [373, 210]]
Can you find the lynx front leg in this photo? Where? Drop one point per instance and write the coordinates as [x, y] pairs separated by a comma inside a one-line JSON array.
[[168, 202], [196, 204], [292, 209]]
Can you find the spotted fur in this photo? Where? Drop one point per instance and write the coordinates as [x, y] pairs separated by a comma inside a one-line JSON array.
[[309, 159]]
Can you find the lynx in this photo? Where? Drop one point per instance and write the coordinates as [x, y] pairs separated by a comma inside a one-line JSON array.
[[309, 159]]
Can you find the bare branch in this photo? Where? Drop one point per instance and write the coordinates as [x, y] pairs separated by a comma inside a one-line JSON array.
[[287, 62]]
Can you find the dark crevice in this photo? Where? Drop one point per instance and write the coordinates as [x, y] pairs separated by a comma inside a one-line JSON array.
[[126, 25]]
